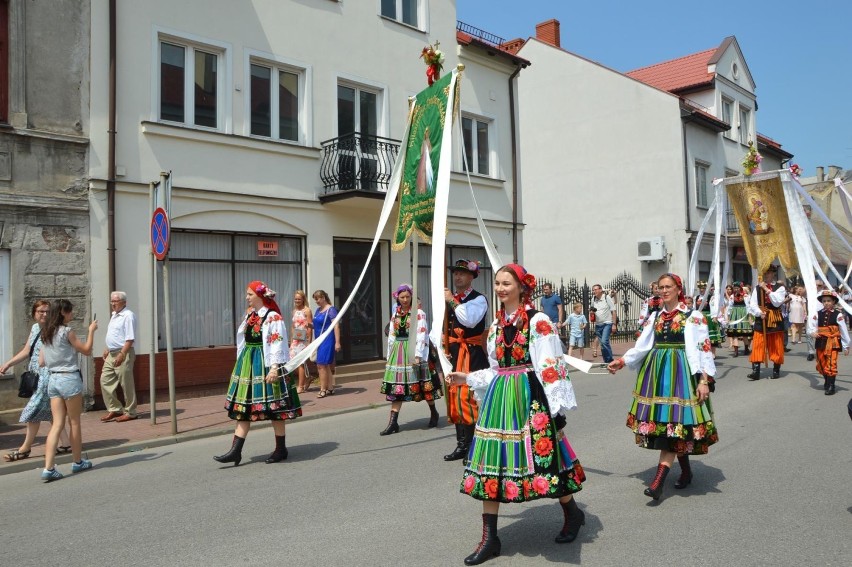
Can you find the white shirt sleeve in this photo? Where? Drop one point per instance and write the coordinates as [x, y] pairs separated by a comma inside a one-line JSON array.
[[633, 358], [753, 303], [274, 332], [391, 335], [471, 313], [422, 347], [241, 336], [697, 345], [549, 365], [130, 327], [844, 332]]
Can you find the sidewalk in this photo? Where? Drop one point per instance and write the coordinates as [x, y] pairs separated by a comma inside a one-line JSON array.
[[196, 418]]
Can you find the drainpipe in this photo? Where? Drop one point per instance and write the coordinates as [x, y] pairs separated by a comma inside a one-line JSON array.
[[686, 192], [512, 128], [111, 151]]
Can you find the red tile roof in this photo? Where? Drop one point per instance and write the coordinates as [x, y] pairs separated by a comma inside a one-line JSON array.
[[463, 38], [678, 74]]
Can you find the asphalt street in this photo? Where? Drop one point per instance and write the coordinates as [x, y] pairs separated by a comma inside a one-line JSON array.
[[775, 490]]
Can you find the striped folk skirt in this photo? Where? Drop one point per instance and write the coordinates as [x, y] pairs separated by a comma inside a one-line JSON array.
[[519, 451], [407, 382], [251, 398], [742, 322], [665, 413]]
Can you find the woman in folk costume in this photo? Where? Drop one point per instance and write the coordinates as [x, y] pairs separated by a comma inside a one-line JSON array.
[[768, 341], [405, 381], [739, 322], [519, 451], [832, 336], [671, 409], [706, 308], [258, 391]]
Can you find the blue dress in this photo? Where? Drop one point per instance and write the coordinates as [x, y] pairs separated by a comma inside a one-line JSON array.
[[323, 320], [38, 408]]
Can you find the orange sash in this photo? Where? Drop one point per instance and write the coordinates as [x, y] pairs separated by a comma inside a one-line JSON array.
[[464, 353]]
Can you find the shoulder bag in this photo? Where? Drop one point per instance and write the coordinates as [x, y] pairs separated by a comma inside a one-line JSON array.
[[29, 379]]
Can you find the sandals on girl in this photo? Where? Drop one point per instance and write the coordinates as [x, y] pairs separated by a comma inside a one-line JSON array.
[[322, 393], [16, 455], [62, 449]]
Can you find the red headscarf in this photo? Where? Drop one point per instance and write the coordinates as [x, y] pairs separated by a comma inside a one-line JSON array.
[[527, 280], [266, 294]]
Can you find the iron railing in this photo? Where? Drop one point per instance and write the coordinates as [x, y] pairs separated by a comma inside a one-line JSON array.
[[482, 35], [358, 162], [627, 293]]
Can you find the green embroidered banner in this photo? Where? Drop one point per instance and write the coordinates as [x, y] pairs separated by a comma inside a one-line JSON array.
[[422, 153]]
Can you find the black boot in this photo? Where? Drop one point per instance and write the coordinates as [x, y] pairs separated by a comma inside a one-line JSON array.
[[574, 518], [685, 472], [280, 452], [830, 391], [458, 452], [736, 351], [746, 350], [825, 385], [656, 488], [755, 371], [489, 546], [393, 426], [235, 455], [433, 416], [776, 371]]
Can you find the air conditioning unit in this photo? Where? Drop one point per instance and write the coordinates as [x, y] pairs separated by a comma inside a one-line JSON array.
[[652, 249]]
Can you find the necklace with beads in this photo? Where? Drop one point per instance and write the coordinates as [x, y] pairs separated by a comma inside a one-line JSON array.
[[518, 319]]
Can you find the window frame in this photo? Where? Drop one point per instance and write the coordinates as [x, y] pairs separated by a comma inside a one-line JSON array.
[[224, 69], [490, 122], [422, 10], [359, 84], [304, 74], [729, 132], [745, 134], [705, 166]]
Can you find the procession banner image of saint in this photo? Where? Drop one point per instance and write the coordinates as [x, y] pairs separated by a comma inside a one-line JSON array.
[[428, 118], [764, 225]]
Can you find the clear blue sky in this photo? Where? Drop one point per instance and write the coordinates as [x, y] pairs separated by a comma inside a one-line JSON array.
[[799, 54]]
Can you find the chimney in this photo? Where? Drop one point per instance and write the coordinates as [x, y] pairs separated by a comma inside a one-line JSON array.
[[820, 173], [548, 32], [833, 171]]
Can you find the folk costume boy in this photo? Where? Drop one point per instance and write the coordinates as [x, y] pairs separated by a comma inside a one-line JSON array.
[[832, 336], [466, 324], [765, 305]]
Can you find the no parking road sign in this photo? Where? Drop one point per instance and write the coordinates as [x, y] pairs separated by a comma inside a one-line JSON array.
[[160, 233]]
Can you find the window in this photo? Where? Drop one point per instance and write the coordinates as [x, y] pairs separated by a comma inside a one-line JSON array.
[[405, 11], [275, 102], [704, 271], [701, 199], [358, 128], [728, 116], [475, 134], [745, 125], [191, 84], [4, 61], [209, 275]]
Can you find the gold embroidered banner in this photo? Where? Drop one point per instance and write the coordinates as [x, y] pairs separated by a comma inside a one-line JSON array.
[[763, 222]]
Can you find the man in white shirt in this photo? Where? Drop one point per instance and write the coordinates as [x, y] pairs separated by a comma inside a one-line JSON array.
[[118, 361], [605, 319]]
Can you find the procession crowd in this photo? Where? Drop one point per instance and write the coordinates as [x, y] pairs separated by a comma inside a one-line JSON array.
[[509, 390]]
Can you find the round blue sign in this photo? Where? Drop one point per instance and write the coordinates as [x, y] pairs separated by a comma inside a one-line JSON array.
[[160, 234]]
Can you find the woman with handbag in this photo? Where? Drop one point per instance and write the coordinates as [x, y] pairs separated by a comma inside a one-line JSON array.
[[65, 386], [300, 336], [330, 346], [38, 407], [258, 391], [406, 380]]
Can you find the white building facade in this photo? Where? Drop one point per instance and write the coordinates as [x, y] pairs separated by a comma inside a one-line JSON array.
[[279, 123]]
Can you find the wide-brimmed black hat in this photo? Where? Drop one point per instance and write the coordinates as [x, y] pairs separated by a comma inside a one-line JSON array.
[[471, 266]]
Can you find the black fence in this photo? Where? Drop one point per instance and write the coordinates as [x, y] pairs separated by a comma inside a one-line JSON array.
[[627, 293]]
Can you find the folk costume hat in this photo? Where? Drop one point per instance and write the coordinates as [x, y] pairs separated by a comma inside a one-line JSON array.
[[402, 289], [527, 280], [678, 282], [471, 266], [828, 293], [267, 295]]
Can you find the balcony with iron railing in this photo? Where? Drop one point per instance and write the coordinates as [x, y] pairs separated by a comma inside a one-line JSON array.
[[357, 164]]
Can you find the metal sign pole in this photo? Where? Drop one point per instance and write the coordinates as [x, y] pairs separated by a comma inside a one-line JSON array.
[[152, 354], [167, 185]]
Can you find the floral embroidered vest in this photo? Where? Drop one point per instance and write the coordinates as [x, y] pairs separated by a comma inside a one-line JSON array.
[[254, 326], [669, 328]]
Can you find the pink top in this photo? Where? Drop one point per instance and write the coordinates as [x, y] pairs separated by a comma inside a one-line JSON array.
[[300, 323]]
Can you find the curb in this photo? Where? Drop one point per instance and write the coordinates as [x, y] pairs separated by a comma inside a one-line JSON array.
[[134, 446]]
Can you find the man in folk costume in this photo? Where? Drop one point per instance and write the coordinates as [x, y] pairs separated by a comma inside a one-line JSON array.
[[466, 324], [765, 304], [832, 336]]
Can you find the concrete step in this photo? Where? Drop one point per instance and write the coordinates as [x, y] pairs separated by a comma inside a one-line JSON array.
[[372, 370]]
